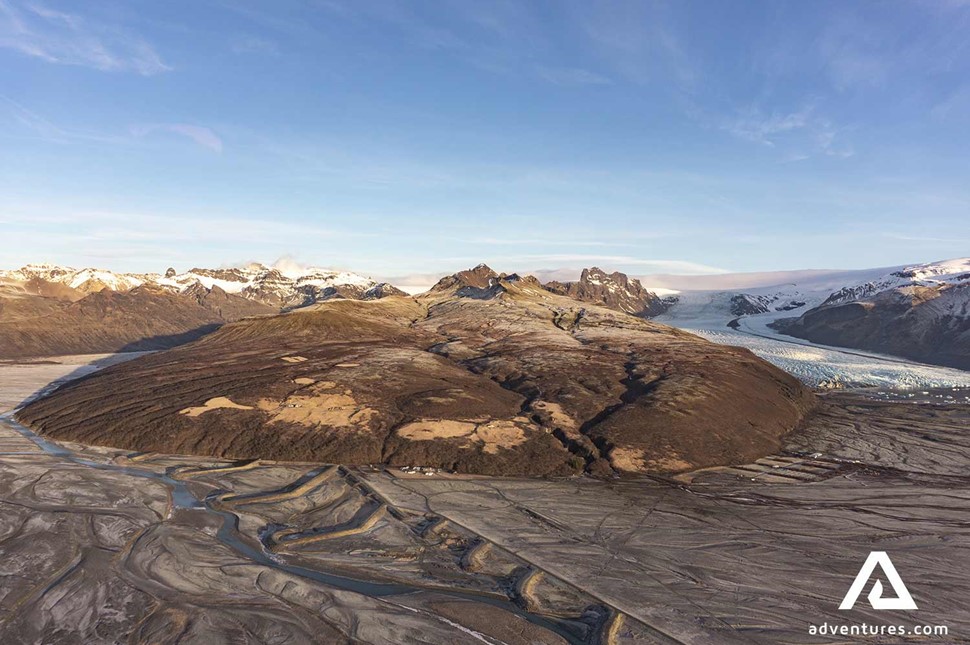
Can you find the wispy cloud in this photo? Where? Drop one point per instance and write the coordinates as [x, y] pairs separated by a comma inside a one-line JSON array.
[[34, 122], [203, 136], [905, 237], [957, 104], [852, 56], [571, 76], [514, 241], [760, 128], [253, 45], [503, 38], [802, 132], [865, 51], [639, 40], [685, 267], [42, 128], [36, 30], [102, 234]]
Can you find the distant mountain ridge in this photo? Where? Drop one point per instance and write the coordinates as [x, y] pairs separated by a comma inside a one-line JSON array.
[[612, 290], [47, 310], [267, 285], [145, 317], [921, 312]]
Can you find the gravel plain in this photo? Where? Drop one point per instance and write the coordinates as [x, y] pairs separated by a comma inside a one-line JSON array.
[[99, 545]]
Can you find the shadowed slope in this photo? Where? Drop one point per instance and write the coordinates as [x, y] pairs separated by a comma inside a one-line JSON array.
[[109, 321]]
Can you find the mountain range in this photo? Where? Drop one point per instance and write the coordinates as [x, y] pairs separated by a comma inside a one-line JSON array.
[[47, 309], [484, 373], [275, 287], [920, 312]]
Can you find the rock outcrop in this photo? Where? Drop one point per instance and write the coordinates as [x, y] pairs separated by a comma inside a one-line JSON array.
[[614, 290]]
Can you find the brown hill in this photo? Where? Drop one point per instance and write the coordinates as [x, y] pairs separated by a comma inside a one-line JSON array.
[[483, 374], [110, 321]]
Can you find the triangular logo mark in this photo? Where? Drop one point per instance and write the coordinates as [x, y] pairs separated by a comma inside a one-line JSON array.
[[902, 600]]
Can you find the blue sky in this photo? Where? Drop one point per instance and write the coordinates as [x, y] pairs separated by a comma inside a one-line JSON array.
[[418, 137]]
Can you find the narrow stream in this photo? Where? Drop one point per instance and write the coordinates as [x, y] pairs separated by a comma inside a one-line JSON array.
[[228, 534]]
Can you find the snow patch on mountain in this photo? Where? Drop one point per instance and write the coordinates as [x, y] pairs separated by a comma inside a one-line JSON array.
[[791, 299], [751, 312], [287, 286]]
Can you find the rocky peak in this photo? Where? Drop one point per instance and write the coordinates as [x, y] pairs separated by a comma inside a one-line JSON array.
[[596, 275], [522, 280], [480, 277], [614, 290], [382, 290], [230, 275]]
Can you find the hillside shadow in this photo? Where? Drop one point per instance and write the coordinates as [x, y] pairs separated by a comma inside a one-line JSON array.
[[129, 351], [168, 341]]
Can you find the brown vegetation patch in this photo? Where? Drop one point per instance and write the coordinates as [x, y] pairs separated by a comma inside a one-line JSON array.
[[217, 403], [557, 416], [489, 435], [500, 434], [635, 460], [431, 429], [318, 409]]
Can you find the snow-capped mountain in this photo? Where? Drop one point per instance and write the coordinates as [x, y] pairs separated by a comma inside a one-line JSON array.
[[811, 289], [935, 274], [283, 288], [84, 281], [921, 312]]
